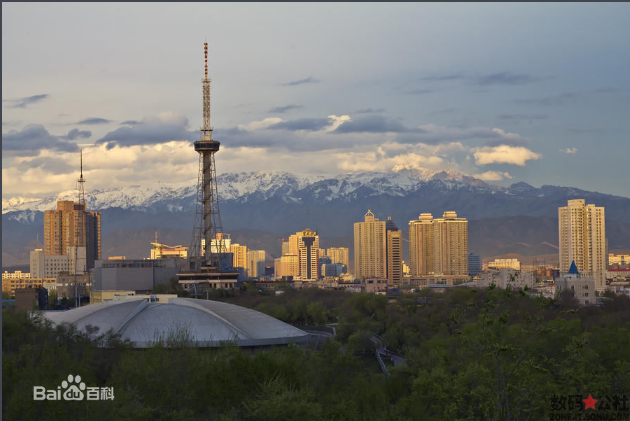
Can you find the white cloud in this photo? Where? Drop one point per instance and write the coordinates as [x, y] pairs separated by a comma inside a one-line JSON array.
[[259, 125], [569, 150], [504, 154], [493, 176]]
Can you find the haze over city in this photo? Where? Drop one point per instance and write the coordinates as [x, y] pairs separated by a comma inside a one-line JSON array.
[[502, 92]]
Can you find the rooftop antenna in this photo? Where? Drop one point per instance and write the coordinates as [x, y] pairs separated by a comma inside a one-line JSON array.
[[81, 182]]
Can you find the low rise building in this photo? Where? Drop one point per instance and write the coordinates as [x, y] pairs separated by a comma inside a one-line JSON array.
[[133, 275], [505, 263], [507, 277], [18, 274], [374, 285], [12, 285], [582, 287]]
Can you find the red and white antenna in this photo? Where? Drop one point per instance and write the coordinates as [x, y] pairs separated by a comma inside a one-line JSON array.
[[205, 53]]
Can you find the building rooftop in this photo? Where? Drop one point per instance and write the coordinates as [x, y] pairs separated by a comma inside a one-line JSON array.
[[207, 323]]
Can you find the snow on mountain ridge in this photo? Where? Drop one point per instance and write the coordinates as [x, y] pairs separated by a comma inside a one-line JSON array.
[[238, 186]]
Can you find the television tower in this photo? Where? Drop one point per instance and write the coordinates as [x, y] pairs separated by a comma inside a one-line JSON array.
[[207, 218], [81, 183]]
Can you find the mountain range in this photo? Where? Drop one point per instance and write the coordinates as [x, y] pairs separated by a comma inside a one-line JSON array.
[[257, 207]]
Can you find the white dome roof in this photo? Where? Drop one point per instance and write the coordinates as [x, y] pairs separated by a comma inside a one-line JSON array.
[[206, 323]]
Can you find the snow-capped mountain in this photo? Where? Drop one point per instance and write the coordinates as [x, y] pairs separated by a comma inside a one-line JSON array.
[[244, 187]]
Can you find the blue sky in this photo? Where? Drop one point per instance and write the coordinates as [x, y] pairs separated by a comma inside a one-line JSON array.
[[509, 92]]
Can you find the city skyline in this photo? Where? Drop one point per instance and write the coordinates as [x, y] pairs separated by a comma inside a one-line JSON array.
[[361, 96]]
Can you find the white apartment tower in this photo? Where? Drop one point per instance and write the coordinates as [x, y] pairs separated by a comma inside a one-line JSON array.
[[582, 238]]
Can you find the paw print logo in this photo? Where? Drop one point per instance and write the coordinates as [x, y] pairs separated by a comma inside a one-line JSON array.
[[74, 391]]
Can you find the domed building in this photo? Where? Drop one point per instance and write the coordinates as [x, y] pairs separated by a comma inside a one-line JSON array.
[[202, 322]]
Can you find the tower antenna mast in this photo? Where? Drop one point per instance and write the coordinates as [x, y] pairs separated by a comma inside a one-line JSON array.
[[207, 226], [81, 183]]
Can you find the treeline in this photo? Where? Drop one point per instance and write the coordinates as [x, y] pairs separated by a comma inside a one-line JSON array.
[[470, 355]]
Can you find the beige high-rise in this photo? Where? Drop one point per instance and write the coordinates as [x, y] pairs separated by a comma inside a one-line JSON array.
[[438, 246], [287, 265], [370, 242], [394, 253], [256, 263], [240, 255], [339, 255], [450, 235], [582, 238], [421, 246], [70, 225]]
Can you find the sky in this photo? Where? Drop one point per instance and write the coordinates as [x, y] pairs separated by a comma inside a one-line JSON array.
[[505, 92]]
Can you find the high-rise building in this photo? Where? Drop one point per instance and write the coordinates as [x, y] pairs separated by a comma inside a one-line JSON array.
[[370, 243], [474, 264], [394, 253], [438, 246], [287, 265], [286, 248], [240, 255], [339, 255], [582, 238], [256, 263], [421, 246], [71, 225], [451, 245], [308, 252]]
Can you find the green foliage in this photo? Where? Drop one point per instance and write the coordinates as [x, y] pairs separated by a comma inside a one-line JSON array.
[[470, 355]]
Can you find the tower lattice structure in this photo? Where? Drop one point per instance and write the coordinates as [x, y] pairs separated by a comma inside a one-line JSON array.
[[207, 217]]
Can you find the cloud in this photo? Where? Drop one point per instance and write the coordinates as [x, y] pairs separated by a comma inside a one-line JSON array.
[[31, 140], [372, 124], [504, 154], [370, 111], [77, 134], [164, 127], [607, 90], [444, 111], [441, 78], [309, 79], [131, 122], [311, 124], [569, 150], [94, 120], [522, 116], [505, 78], [585, 130], [433, 134], [418, 91], [284, 108], [493, 176], [501, 78], [553, 100], [26, 101]]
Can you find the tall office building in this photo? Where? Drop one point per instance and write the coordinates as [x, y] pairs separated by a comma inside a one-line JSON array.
[[71, 225], [451, 245], [256, 263], [339, 255], [240, 255], [421, 246], [582, 238], [370, 244], [394, 253], [438, 246], [308, 252]]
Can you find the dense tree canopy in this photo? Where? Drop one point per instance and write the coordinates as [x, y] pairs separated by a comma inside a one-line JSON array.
[[470, 355]]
